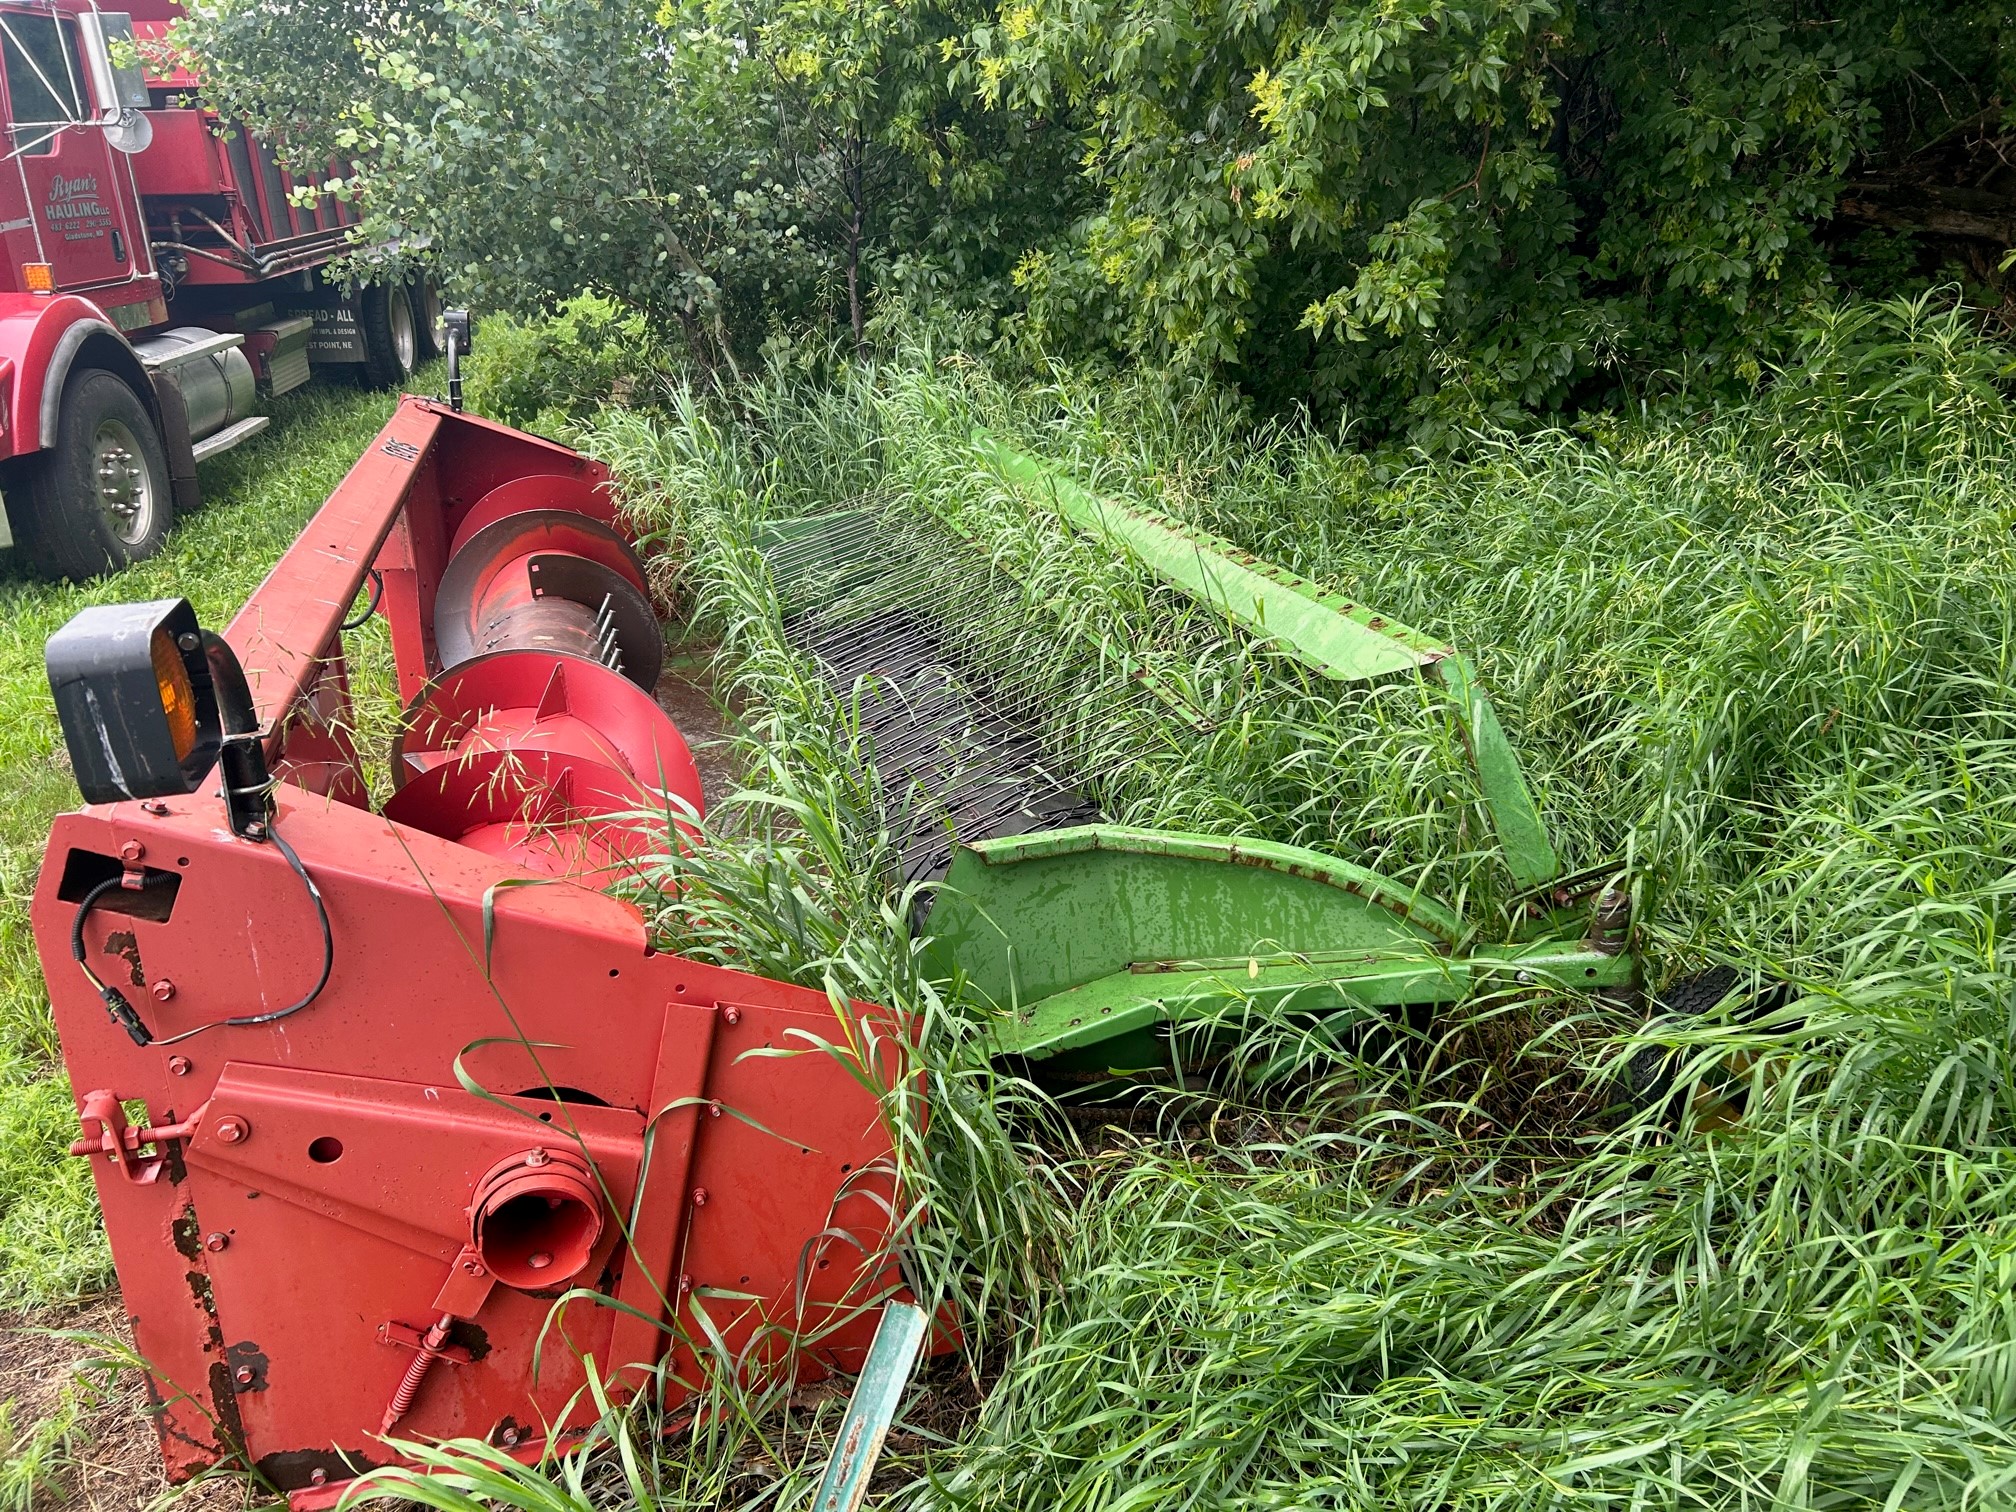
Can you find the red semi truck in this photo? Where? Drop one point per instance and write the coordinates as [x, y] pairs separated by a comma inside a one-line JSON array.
[[159, 279]]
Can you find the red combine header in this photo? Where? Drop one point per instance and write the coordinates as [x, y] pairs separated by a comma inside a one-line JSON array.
[[160, 277], [370, 1115]]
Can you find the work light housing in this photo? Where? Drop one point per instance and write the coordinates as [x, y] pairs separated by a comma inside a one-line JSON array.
[[136, 699]]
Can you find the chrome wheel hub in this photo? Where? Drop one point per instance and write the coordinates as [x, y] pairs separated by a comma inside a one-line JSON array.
[[125, 491]]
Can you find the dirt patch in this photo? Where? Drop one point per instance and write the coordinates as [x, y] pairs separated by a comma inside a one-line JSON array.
[[686, 691], [107, 1459]]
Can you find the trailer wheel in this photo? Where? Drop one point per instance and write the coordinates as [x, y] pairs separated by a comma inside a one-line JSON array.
[[427, 317], [99, 499], [391, 336]]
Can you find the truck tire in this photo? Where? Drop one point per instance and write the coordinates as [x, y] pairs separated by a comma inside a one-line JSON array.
[[100, 498], [391, 336], [427, 322]]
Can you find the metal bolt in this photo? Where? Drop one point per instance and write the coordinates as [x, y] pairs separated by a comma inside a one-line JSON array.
[[1524, 978], [162, 990], [537, 1158], [244, 1375], [188, 640], [155, 807], [509, 1438], [713, 1110], [178, 1065], [255, 831], [685, 1285], [132, 851], [318, 1477], [471, 1268], [538, 1260], [731, 1016], [233, 1130], [699, 1196], [216, 1242]]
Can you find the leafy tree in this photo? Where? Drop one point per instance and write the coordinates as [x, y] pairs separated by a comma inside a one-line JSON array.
[[720, 166], [1461, 210], [1428, 213]]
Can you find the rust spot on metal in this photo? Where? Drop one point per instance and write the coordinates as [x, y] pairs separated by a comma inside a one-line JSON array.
[[294, 1469], [126, 946], [246, 1366], [462, 1334], [186, 1234]]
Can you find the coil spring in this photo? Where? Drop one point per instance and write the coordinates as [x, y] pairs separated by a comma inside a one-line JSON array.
[[431, 1345]]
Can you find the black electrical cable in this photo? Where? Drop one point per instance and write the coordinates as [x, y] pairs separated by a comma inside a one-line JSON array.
[[123, 1012], [116, 1002], [364, 617]]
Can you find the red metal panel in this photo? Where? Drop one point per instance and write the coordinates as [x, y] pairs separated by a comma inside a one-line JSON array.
[[184, 159], [303, 1281], [361, 1213], [280, 633]]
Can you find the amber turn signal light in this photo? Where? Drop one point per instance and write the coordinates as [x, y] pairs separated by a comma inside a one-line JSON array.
[[136, 699]]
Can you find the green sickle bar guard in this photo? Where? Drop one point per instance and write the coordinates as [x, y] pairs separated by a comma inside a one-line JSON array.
[[1325, 631]]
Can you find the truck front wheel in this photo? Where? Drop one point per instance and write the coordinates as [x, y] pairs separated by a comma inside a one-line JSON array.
[[99, 499]]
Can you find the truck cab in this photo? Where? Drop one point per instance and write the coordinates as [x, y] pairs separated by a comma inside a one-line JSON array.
[[161, 279]]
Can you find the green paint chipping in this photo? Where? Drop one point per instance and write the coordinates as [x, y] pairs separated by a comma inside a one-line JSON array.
[[878, 1392], [1326, 631]]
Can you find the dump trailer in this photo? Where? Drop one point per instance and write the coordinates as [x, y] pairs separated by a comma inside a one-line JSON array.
[[160, 281], [400, 1126]]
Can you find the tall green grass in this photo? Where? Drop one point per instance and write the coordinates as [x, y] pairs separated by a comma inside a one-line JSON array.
[[1761, 655]]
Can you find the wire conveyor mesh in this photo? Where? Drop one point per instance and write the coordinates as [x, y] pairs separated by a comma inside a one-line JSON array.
[[984, 716]]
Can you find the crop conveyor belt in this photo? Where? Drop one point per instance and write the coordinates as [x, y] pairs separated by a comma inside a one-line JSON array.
[[883, 607]]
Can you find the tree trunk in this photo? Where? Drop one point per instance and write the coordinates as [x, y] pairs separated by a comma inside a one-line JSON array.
[[857, 150], [1932, 209]]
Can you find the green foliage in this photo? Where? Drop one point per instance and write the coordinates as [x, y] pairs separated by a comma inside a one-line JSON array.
[[1435, 215], [545, 374], [720, 167], [1759, 652], [1461, 213]]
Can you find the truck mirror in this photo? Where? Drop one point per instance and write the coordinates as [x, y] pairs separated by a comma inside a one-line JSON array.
[[118, 80], [136, 699]]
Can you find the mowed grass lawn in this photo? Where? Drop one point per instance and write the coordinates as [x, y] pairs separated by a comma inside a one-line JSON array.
[[258, 497]]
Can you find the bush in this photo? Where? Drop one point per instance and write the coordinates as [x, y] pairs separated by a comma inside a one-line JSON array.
[[548, 374]]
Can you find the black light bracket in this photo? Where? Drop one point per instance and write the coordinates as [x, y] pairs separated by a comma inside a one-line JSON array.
[[248, 781], [114, 701], [461, 333]]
